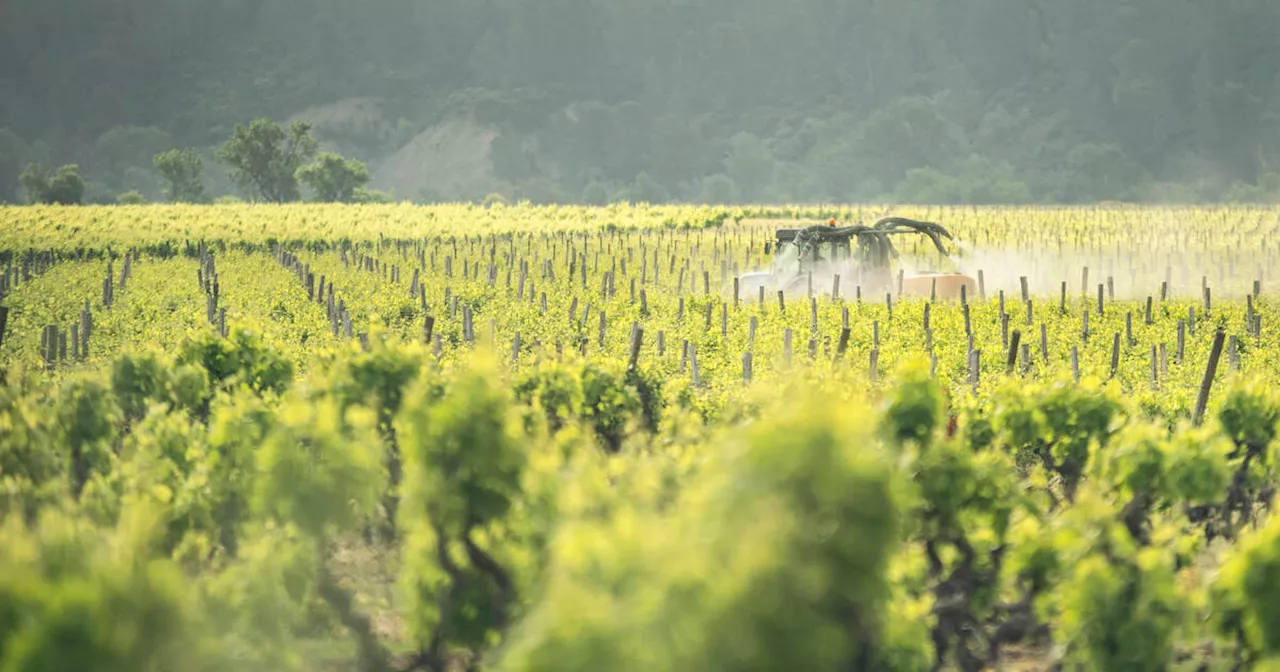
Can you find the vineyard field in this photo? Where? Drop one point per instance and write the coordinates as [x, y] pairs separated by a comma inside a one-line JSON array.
[[560, 438]]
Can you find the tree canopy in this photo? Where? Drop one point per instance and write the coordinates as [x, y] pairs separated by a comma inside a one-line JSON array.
[[180, 169], [333, 178], [63, 186], [265, 158]]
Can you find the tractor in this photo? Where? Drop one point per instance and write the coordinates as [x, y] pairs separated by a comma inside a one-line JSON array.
[[817, 257]]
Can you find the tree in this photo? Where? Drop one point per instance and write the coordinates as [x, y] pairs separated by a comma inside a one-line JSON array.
[[127, 147], [180, 169], [333, 178], [14, 153], [540, 191], [645, 189], [265, 159], [143, 181], [63, 187], [1096, 172], [910, 133], [595, 193], [719, 189], [363, 195], [751, 166]]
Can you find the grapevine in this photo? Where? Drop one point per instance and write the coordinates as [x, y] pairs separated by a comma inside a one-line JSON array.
[[519, 438]]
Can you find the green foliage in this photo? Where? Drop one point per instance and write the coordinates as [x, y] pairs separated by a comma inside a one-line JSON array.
[[125, 147], [791, 576], [62, 187], [539, 191], [1143, 460], [650, 388], [609, 404], [131, 198], [238, 425], [646, 190], [1096, 172], [265, 158], [1057, 424], [911, 132], [180, 169], [554, 390], [98, 193], [719, 189], [1250, 416], [76, 597], [30, 466], [254, 604], [14, 154], [242, 358], [1121, 614], [145, 378], [1244, 594], [363, 195], [1014, 87], [313, 469], [977, 182], [813, 519], [1115, 605], [463, 469], [1267, 190], [1198, 470], [914, 410], [334, 179], [609, 400], [750, 165], [378, 379], [965, 501], [595, 193], [88, 424], [164, 461]]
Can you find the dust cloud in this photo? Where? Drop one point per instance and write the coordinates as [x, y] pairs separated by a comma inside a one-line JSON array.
[[1123, 275]]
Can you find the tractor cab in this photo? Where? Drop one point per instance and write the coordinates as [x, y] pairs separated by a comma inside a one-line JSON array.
[[801, 252]]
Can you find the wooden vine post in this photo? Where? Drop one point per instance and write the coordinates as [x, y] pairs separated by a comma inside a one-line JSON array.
[[1206, 384]]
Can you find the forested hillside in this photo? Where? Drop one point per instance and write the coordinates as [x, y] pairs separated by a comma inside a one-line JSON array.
[[711, 100]]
